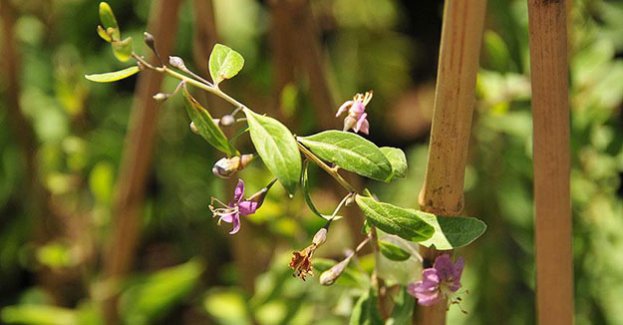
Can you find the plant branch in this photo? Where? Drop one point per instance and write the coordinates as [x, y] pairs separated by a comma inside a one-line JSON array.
[[310, 155]]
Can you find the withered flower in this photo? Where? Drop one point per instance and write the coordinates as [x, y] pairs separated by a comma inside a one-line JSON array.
[[301, 261]]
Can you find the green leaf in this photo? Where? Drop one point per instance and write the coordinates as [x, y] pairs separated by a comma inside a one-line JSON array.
[[107, 17], [224, 63], [393, 252], [113, 76], [394, 220], [397, 159], [103, 34], [308, 199], [205, 125], [351, 152], [277, 147], [452, 232], [122, 49], [365, 311], [38, 314]]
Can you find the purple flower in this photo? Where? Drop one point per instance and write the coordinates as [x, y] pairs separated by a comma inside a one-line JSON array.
[[356, 118], [438, 282], [230, 213]]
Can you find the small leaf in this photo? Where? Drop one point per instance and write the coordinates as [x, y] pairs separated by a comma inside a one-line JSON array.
[[107, 17], [394, 220], [113, 76], [351, 152], [452, 232], [103, 34], [224, 63], [122, 49], [393, 252], [205, 125], [397, 159], [308, 199], [276, 146]]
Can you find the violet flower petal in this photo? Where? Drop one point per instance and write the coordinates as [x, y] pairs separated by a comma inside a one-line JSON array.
[[247, 207], [239, 191], [344, 107], [236, 223]]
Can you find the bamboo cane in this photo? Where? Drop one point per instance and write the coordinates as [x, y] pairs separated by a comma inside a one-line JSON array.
[[137, 154], [442, 192], [554, 265]]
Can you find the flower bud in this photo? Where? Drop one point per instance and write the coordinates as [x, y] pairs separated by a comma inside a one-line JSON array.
[[149, 40], [227, 120], [161, 97], [177, 62], [320, 237], [227, 167], [329, 276]]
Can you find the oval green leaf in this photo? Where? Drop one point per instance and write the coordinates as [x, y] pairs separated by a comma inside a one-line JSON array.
[[107, 17], [103, 34], [395, 220], [224, 63], [452, 232], [277, 147], [113, 76], [393, 252], [397, 159], [350, 152], [206, 127], [122, 49]]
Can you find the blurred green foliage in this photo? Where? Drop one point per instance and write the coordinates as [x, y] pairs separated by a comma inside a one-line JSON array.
[[188, 270]]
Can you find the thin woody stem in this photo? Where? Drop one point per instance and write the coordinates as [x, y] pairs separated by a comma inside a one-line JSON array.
[[218, 92], [310, 155]]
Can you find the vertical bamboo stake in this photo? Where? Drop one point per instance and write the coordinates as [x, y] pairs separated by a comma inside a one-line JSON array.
[[554, 264], [137, 154], [442, 192]]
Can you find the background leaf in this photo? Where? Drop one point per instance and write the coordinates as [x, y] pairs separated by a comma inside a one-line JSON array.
[[394, 220], [350, 152], [397, 159], [393, 252], [276, 146], [205, 125], [224, 63], [113, 76]]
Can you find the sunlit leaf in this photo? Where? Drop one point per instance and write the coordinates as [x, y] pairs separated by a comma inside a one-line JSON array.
[[394, 220], [351, 152], [103, 34], [122, 49], [107, 17], [452, 232], [38, 314], [276, 146], [397, 159], [113, 76], [206, 127], [224, 63]]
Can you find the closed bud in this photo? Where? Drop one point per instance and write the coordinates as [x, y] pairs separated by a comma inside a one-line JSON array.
[[227, 167], [227, 120], [329, 276], [161, 97], [149, 40], [320, 237], [177, 62]]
